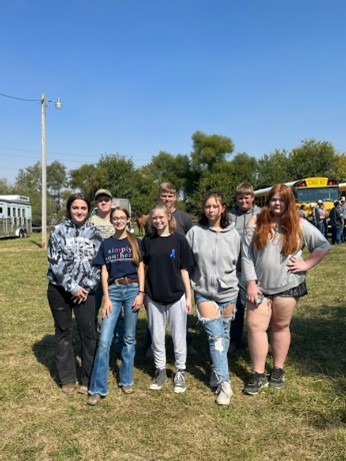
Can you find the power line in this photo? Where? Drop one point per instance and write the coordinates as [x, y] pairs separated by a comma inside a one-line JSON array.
[[19, 99]]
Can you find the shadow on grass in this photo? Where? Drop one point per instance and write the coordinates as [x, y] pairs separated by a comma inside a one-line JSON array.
[[44, 353], [34, 242], [319, 342]]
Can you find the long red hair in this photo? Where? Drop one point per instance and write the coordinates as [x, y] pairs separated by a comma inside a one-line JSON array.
[[289, 222]]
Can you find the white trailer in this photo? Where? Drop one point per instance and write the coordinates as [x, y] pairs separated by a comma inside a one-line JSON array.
[[15, 216]]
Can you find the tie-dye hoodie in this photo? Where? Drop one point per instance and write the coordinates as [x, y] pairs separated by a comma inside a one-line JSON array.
[[71, 250]]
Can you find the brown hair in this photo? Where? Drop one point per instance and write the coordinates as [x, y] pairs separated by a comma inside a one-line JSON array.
[[172, 225], [136, 254], [289, 221], [218, 196], [72, 198]]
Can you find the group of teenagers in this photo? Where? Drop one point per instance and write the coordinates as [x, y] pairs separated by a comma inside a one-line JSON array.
[[243, 258]]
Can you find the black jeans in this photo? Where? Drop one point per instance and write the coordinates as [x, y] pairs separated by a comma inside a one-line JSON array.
[[61, 305]]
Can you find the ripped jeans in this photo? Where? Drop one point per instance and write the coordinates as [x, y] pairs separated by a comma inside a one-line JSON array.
[[218, 331]]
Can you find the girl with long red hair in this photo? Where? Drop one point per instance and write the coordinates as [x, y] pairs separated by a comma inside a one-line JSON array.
[[275, 271]]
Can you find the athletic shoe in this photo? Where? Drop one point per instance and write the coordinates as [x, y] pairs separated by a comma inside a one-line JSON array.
[[94, 399], [213, 380], [179, 382], [127, 389], [224, 393], [159, 379], [83, 390], [69, 388], [277, 378], [255, 383]]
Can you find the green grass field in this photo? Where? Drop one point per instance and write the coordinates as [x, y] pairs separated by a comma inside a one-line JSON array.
[[303, 421]]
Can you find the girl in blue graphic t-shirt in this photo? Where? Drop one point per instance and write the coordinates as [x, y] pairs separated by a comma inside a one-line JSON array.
[[122, 277]]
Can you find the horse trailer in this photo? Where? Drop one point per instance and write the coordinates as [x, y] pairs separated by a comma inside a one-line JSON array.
[[15, 216]]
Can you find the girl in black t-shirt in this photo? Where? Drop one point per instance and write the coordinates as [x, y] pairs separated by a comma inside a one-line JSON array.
[[168, 259]]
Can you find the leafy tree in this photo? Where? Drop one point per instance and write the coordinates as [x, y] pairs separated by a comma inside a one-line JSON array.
[[84, 179], [209, 149], [166, 167], [210, 168], [244, 169], [5, 187], [340, 167], [273, 168], [312, 158], [116, 173], [56, 182]]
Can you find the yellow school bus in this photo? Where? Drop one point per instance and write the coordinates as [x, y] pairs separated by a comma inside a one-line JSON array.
[[307, 191], [342, 189]]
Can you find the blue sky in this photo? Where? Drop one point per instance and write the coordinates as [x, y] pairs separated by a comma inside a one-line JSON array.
[[139, 76]]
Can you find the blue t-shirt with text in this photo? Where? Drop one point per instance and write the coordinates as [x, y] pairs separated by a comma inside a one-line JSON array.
[[116, 255]]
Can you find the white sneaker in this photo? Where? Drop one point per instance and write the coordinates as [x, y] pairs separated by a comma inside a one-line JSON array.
[[224, 393], [179, 382]]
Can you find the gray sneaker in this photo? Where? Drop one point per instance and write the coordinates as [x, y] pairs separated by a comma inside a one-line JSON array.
[[277, 378], [179, 385], [213, 380], [159, 379], [224, 393], [255, 383]]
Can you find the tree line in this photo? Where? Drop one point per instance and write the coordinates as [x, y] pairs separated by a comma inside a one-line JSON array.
[[212, 164]]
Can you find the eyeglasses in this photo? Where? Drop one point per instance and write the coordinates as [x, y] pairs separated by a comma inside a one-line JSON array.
[[122, 218], [104, 199]]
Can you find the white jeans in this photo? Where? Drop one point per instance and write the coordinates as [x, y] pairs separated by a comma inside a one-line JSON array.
[[158, 317]]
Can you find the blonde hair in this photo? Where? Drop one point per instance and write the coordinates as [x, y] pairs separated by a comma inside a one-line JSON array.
[[172, 225], [244, 188], [167, 187]]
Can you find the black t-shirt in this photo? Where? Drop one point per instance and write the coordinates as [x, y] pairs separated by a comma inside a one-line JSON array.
[[116, 254], [183, 221], [164, 257]]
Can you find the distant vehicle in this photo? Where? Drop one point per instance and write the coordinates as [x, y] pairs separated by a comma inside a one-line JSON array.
[[15, 216], [342, 189]]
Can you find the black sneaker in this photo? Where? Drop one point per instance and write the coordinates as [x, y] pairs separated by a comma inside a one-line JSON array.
[[255, 383], [277, 378], [159, 379]]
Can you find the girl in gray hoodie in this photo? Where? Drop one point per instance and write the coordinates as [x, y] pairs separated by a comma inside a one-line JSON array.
[[274, 269], [215, 245]]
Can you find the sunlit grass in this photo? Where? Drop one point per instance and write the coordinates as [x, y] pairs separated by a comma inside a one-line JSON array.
[[303, 421]]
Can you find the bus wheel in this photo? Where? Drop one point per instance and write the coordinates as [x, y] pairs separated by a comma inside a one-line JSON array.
[[21, 234]]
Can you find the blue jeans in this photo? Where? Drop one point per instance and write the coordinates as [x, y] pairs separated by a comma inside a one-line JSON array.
[[218, 331], [121, 296], [118, 339]]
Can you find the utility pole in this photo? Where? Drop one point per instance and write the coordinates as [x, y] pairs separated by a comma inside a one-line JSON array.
[[44, 171], [58, 105]]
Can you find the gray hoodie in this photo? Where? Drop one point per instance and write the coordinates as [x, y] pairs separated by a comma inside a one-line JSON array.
[[241, 218], [269, 266], [215, 256]]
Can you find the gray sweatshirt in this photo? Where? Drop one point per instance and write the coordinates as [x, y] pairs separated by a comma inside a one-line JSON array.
[[269, 266], [215, 256]]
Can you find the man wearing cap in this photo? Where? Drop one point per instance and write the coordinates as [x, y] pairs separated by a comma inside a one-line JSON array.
[[101, 219], [320, 218]]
